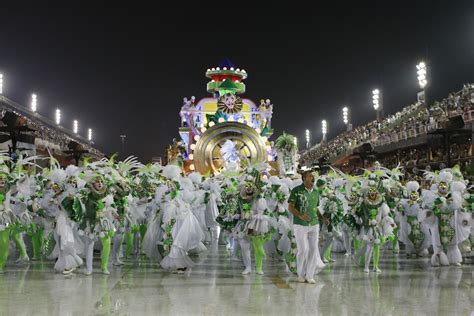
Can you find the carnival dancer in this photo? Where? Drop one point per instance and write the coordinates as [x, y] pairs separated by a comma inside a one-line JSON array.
[[7, 217], [41, 222], [303, 204], [352, 222], [96, 218], [67, 245], [194, 198], [182, 231], [120, 185], [449, 224], [146, 181], [261, 226], [153, 242], [276, 193], [199, 203], [229, 213], [247, 196], [393, 192], [212, 200], [121, 190], [377, 225], [21, 198], [331, 208], [413, 233]]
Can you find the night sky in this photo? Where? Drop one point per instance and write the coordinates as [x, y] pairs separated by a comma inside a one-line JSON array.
[[126, 70]]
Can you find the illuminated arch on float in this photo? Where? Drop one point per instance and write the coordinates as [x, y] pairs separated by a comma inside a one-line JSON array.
[[207, 154]]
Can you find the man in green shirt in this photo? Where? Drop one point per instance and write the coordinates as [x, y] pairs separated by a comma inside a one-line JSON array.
[[303, 204]]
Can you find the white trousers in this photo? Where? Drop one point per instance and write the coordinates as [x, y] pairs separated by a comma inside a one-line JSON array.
[[244, 244], [307, 257]]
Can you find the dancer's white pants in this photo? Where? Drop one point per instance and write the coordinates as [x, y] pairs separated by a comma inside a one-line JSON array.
[[307, 257], [244, 244]]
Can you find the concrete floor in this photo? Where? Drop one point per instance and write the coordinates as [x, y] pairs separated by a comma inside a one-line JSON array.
[[215, 287]]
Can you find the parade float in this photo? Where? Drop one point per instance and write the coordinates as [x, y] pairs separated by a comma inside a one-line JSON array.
[[225, 131]]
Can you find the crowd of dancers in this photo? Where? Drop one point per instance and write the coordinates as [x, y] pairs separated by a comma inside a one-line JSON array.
[[127, 209]]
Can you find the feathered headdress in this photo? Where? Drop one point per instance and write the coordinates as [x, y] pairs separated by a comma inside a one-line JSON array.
[[412, 186], [445, 176]]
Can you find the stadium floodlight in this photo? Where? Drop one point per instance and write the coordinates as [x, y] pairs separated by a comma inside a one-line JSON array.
[[58, 116], [421, 71], [307, 138], [34, 103]]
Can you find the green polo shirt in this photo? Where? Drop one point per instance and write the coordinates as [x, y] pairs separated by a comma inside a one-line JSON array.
[[306, 202]]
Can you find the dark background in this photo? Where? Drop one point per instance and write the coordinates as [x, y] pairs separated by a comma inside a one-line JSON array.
[[126, 70]]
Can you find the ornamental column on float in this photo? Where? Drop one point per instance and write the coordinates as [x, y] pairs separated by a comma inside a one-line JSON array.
[[225, 130]]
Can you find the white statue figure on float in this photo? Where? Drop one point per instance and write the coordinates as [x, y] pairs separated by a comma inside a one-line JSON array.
[[230, 155]]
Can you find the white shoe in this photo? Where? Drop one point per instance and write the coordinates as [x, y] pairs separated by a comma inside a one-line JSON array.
[[246, 271], [325, 260], [106, 271], [457, 264], [87, 272], [120, 262], [311, 281], [347, 254], [377, 270], [68, 271], [301, 280], [423, 253], [366, 270], [259, 272], [332, 260], [23, 259]]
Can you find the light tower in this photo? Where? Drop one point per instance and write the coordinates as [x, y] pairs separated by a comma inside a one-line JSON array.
[[58, 116], [324, 129], [307, 139], [75, 126], [422, 72], [89, 134], [33, 102], [377, 101], [1, 83], [345, 118]]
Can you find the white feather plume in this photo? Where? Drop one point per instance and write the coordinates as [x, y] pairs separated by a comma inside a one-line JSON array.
[[195, 177], [172, 172], [412, 186]]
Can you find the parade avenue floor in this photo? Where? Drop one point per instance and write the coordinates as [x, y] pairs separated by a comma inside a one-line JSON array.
[[216, 287]]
